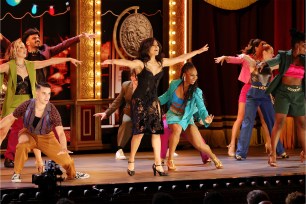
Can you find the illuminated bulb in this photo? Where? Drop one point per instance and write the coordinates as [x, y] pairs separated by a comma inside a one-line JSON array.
[[173, 32], [173, 2], [51, 10], [98, 32], [98, 2], [98, 22], [173, 72], [98, 12], [98, 43], [97, 53], [34, 9], [173, 52], [99, 83], [173, 23], [173, 13], [98, 73], [173, 42], [98, 63], [98, 93]]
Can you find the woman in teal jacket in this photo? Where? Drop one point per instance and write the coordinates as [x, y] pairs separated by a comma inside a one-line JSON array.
[[184, 99]]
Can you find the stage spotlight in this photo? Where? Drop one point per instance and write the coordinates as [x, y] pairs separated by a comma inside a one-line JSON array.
[[13, 2], [22, 197], [174, 187], [253, 183], [201, 186], [215, 185], [5, 199], [160, 188], [289, 182], [132, 190], [241, 184], [188, 187], [266, 183], [302, 181], [86, 193], [71, 194], [228, 185], [278, 182], [38, 195]]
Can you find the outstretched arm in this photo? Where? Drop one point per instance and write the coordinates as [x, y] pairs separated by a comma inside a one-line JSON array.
[[87, 35], [62, 140], [171, 61], [5, 125], [135, 64], [48, 62]]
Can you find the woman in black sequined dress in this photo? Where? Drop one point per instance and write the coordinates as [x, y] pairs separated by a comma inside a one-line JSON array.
[[146, 112]]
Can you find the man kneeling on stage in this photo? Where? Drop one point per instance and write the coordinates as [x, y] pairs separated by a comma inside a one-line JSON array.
[[39, 116]]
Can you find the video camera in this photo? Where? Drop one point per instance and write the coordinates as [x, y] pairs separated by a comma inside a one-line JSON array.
[[49, 178]]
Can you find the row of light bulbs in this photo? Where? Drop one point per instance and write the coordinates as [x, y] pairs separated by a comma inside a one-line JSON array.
[[97, 48], [172, 33]]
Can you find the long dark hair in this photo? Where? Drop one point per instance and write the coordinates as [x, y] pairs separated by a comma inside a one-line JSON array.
[[144, 48], [192, 87]]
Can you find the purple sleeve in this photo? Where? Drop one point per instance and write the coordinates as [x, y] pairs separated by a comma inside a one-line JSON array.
[[54, 50]]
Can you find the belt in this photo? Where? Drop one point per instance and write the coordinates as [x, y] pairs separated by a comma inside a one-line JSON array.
[[293, 90], [259, 87]]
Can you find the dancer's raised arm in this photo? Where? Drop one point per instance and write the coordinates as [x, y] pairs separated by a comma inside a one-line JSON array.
[[171, 61], [48, 62]]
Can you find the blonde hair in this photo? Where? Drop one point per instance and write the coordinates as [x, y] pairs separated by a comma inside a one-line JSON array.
[[12, 49]]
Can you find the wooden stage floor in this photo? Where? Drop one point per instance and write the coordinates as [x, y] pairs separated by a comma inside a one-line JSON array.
[[105, 169]]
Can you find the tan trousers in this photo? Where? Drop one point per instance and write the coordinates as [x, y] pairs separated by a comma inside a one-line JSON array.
[[48, 145]]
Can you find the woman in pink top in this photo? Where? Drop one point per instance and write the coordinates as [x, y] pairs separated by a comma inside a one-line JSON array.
[[244, 77]]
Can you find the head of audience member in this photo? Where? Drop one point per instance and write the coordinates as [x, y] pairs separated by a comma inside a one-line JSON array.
[[257, 196], [64, 201], [296, 198], [162, 198], [298, 43], [149, 48], [16, 50], [31, 39], [213, 197]]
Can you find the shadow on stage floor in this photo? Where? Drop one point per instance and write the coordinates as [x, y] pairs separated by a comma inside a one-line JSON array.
[[110, 183]]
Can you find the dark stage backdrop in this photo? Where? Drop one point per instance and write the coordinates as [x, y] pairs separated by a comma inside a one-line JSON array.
[[227, 32]]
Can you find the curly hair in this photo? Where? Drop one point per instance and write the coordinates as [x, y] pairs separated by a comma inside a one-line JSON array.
[[296, 37], [144, 48]]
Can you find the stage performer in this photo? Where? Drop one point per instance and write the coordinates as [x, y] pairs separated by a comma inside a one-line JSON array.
[[244, 76], [145, 108], [37, 52], [39, 116], [184, 99], [21, 82], [124, 98], [256, 97], [288, 87]]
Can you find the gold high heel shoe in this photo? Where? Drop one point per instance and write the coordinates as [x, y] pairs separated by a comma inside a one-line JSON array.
[[272, 161], [217, 163], [171, 165], [268, 148], [231, 152]]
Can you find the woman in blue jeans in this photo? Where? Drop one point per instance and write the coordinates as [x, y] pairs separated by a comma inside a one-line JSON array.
[[256, 97]]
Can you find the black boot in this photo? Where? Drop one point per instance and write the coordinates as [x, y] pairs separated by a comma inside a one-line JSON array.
[[8, 163]]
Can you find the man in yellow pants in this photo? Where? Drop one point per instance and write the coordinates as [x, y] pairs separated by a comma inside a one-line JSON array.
[[39, 117]]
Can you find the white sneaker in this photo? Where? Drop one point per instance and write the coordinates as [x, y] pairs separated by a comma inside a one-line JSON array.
[[16, 178], [80, 175], [120, 155]]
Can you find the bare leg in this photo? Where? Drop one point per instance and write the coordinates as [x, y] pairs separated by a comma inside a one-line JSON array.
[[134, 147], [276, 131], [301, 133], [235, 128], [174, 138], [196, 140], [266, 132], [156, 144]]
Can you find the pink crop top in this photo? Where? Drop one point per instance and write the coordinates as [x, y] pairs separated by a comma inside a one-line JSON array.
[[295, 71]]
